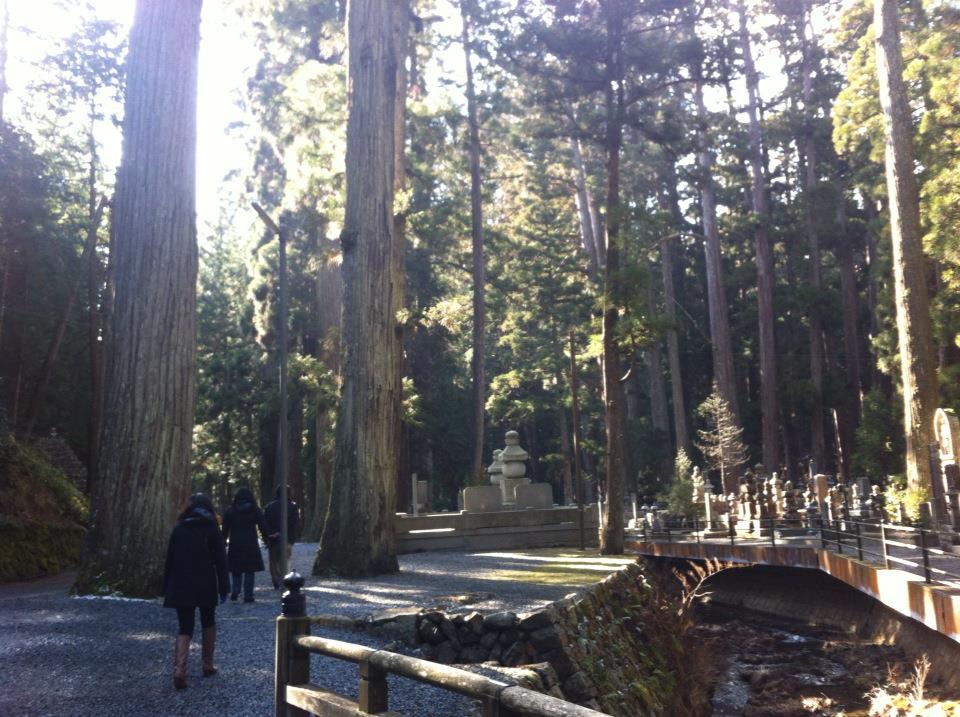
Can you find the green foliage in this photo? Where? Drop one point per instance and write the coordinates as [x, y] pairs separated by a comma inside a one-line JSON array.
[[680, 495], [879, 438], [898, 493], [721, 442], [42, 517]]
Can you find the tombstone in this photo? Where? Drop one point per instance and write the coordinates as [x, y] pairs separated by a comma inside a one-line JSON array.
[[862, 496], [708, 514], [534, 495], [514, 468], [699, 485], [482, 499], [790, 504], [820, 490], [776, 493], [812, 508], [878, 503], [946, 429]]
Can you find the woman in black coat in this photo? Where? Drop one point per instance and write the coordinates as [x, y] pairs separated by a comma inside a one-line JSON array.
[[240, 523], [194, 576]]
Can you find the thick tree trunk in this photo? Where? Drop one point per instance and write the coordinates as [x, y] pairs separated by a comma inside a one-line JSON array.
[[144, 472], [653, 356], [764, 253], [401, 20], [817, 451], [667, 268], [721, 349], [358, 536], [918, 373], [588, 236], [611, 529], [479, 271]]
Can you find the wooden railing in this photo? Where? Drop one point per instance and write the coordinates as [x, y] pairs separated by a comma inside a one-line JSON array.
[[295, 696]]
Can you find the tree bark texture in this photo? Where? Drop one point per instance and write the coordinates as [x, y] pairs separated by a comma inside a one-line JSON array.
[[611, 529], [358, 535], [667, 269], [653, 356], [720, 343], [401, 29], [144, 470], [588, 236], [817, 451], [479, 270], [917, 367], [765, 267]]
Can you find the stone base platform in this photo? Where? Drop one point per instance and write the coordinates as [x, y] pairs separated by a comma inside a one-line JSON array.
[[504, 529]]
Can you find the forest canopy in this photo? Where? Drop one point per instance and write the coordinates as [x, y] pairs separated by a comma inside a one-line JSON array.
[[688, 195]]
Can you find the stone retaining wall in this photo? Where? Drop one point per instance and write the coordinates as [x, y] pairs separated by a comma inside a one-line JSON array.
[[592, 647]]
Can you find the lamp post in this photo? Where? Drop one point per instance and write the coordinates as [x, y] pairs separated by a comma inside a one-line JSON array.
[[282, 470]]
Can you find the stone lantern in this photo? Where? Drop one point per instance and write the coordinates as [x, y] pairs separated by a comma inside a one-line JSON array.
[[513, 467]]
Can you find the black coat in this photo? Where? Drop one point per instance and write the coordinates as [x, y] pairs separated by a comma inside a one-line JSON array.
[[272, 515], [240, 524], [196, 570]]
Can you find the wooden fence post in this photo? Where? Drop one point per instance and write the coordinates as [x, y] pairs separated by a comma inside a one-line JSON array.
[[373, 689], [292, 663]]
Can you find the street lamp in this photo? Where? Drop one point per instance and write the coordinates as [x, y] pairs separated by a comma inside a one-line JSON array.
[[282, 471]]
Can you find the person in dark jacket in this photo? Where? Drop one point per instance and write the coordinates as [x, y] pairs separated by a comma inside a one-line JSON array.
[[240, 523], [272, 516], [194, 576]]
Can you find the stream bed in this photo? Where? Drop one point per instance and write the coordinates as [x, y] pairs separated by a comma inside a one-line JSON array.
[[771, 667]]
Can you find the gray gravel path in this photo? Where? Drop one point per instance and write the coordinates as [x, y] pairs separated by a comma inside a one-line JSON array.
[[76, 657]]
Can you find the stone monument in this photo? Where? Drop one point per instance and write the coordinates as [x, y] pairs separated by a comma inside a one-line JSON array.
[[946, 429], [495, 469], [514, 468]]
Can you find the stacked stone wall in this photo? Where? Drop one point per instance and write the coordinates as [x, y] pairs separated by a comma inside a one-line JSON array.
[[595, 648]]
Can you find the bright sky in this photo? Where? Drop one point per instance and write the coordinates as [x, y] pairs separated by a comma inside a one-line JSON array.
[[226, 55]]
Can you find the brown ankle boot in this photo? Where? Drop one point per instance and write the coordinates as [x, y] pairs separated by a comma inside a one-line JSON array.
[[209, 642], [181, 650]]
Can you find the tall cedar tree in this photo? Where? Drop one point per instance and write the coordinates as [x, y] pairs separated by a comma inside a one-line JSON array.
[[150, 337], [817, 450], [909, 266], [611, 529], [476, 236], [358, 536], [764, 254], [720, 342]]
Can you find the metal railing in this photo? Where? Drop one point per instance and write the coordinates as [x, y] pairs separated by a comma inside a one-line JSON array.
[[294, 696], [870, 540]]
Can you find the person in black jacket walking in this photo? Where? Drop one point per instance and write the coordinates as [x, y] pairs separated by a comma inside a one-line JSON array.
[[272, 516], [240, 523], [194, 575]]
